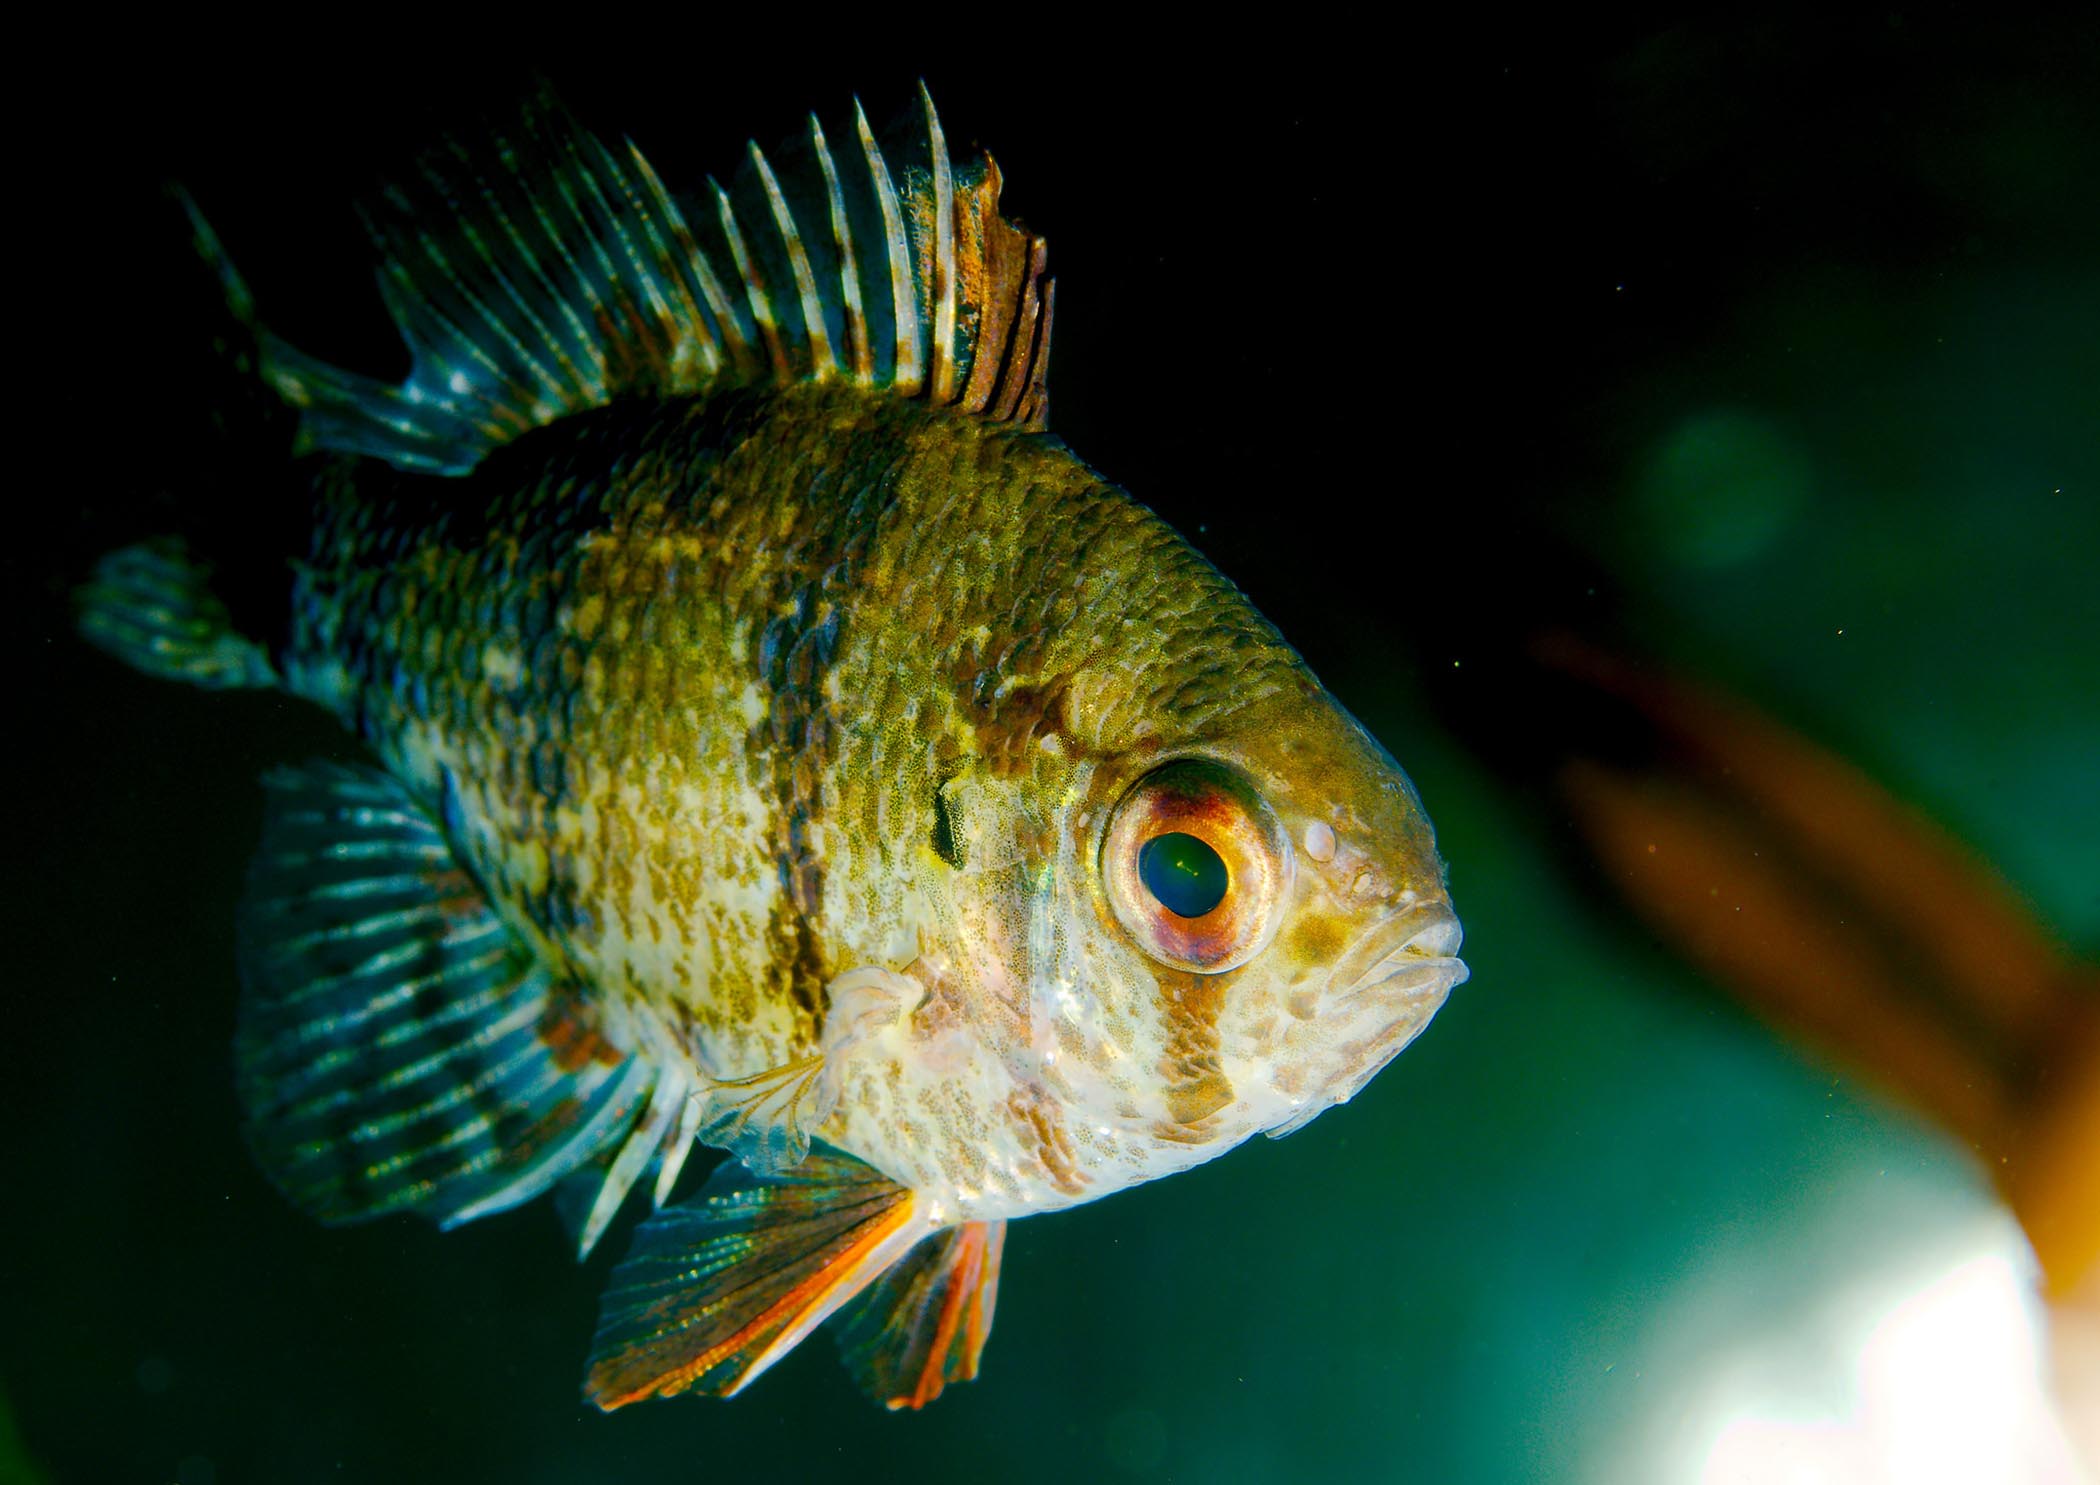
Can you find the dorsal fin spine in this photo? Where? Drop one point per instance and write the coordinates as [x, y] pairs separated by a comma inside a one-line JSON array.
[[560, 338], [909, 374], [647, 286], [695, 349], [755, 294], [729, 335], [1001, 255], [563, 280], [943, 266], [682, 330], [1020, 351], [822, 363], [607, 231], [600, 275], [1034, 408], [860, 358]]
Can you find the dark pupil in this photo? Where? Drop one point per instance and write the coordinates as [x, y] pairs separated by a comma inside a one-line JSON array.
[[1184, 873]]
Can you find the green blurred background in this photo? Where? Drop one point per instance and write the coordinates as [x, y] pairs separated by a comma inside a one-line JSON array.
[[1773, 347]]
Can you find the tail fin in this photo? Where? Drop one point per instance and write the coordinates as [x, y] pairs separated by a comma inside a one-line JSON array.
[[154, 604], [151, 606]]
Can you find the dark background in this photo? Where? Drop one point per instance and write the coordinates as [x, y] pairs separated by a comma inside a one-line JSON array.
[[1720, 337]]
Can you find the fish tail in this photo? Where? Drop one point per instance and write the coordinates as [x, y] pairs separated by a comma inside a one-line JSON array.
[[168, 604], [152, 605]]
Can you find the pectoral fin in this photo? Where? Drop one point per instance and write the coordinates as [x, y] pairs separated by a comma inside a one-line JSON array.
[[923, 1324], [767, 1119], [718, 1288]]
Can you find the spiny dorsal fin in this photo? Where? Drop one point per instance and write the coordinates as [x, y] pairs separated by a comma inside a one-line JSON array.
[[546, 272]]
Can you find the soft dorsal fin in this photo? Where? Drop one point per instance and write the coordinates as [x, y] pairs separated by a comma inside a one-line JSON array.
[[547, 272]]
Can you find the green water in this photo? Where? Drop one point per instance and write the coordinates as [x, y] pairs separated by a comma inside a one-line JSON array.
[[1778, 346]]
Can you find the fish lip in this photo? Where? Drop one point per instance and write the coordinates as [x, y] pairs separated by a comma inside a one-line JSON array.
[[1394, 977], [1412, 949]]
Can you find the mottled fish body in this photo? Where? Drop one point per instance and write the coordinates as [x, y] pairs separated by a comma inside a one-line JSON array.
[[782, 744]]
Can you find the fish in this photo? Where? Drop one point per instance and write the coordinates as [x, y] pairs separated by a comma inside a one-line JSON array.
[[775, 740]]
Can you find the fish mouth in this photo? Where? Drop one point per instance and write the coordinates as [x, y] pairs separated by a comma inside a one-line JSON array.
[[1411, 949], [1387, 985]]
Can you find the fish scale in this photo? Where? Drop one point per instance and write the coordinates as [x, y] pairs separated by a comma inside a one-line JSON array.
[[768, 721]]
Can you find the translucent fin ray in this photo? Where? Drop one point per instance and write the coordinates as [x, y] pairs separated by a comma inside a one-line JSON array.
[[395, 1050], [542, 273], [639, 1148], [765, 1120], [151, 606], [718, 1288], [924, 1323], [677, 1147]]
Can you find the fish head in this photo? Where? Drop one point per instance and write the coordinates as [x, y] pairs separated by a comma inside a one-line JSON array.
[[1255, 921]]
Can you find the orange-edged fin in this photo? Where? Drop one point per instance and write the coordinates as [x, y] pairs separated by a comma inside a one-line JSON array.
[[923, 1324], [718, 1288]]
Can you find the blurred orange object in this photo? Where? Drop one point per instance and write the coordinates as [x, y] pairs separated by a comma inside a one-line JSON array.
[[1852, 923]]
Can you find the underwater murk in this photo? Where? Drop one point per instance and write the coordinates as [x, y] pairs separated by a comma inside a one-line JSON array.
[[665, 742]]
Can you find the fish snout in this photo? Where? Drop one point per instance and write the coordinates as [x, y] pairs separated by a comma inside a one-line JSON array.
[[1412, 950], [1380, 993]]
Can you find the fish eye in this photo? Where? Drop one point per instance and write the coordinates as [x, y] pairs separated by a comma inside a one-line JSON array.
[[1196, 866], [1183, 873]]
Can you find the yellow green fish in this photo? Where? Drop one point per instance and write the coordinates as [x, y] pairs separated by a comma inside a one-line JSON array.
[[778, 741]]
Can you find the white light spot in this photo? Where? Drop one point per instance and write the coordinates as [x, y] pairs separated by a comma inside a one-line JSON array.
[[1319, 841], [1946, 1387]]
